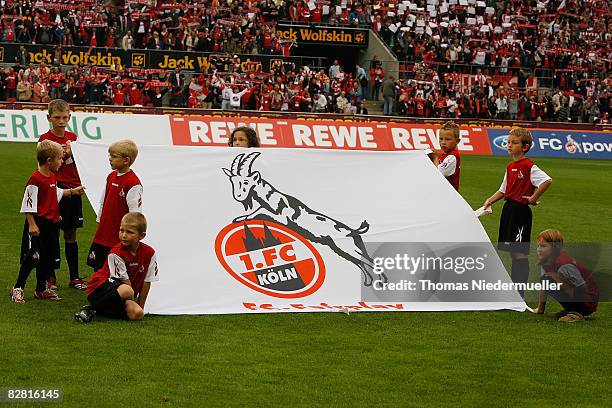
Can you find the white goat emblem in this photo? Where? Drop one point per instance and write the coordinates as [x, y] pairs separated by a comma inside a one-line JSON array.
[[249, 186]]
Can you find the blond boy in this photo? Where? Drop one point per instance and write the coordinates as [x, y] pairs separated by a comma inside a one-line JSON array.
[[122, 194], [40, 238]]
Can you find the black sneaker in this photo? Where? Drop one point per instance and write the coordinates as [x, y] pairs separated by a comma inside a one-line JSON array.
[[85, 315]]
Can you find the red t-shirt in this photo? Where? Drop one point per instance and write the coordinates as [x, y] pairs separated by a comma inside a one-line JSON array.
[[266, 102], [41, 197], [135, 96], [286, 49], [11, 81], [56, 79], [591, 287], [122, 194], [454, 165], [119, 98], [521, 179], [121, 264], [420, 106], [67, 175]]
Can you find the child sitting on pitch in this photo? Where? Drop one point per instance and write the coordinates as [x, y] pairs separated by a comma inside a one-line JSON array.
[[579, 294], [120, 288], [449, 162], [40, 239], [122, 194], [244, 136], [523, 185]]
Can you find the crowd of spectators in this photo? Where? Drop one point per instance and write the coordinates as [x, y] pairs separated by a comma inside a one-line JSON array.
[[568, 98], [441, 40], [565, 43], [285, 88], [487, 100], [547, 34], [193, 25], [301, 89], [556, 34]]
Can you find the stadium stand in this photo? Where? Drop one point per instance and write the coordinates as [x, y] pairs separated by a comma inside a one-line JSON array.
[[541, 60]]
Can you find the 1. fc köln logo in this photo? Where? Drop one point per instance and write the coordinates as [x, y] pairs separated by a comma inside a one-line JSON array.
[[271, 248], [270, 259]]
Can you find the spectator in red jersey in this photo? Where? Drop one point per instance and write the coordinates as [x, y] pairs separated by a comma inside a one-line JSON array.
[[135, 95], [377, 75], [11, 84], [119, 95], [56, 83]]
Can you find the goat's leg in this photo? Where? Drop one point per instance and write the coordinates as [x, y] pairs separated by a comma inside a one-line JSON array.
[[262, 213], [357, 254], [367, 276], [246, 217]]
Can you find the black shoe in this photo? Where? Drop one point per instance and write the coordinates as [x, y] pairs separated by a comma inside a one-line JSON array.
[[85, 315]]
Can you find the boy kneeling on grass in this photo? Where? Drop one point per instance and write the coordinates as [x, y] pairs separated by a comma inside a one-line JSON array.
[[579, 294], [119, 289]]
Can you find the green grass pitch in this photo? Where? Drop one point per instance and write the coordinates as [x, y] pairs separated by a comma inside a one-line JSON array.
[[366, 359]]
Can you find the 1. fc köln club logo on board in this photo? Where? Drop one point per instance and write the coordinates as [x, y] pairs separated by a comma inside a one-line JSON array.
[[271, 249], [270, 258]]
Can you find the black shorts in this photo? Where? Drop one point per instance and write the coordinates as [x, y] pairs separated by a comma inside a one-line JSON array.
[[97, 255], [107, 301], [515, 228], [71, 211], [44, 249]]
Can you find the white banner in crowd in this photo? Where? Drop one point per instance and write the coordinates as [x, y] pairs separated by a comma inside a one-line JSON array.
[[290, 230]]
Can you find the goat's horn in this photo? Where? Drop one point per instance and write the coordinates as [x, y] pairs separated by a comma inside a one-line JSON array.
[[236, 164], [247, 162]]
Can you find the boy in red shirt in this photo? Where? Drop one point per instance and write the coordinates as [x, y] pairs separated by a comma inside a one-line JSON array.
[[523, 185], [579, 293], [122, 194], [71, 208], [120, 288], [40, 238], [449, 162]]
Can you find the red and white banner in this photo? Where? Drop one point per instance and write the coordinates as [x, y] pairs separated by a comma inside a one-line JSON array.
[[323, 134]]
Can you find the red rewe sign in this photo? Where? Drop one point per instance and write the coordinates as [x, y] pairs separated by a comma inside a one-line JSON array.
[[474, 140], [210, 131], [324, 134], [270, 258]]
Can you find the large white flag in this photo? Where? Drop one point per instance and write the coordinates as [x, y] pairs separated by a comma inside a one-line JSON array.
[[283, 230]]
